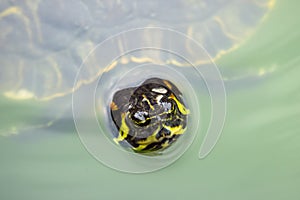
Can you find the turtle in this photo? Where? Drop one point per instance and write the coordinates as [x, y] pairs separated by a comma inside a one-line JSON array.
[[44, 42], [149, 117]]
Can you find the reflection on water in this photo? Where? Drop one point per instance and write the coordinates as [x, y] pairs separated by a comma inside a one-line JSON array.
[[256, 158]]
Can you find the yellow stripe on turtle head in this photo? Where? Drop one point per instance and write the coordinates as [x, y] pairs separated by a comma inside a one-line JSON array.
[[180, 106], [148, 102]]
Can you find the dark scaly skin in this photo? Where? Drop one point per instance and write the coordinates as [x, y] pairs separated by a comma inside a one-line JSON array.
[[149, 117]]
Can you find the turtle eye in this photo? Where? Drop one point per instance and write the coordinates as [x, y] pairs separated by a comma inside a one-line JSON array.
[[140, 118]]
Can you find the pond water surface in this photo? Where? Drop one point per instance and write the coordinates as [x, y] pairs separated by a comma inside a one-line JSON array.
[[257, 156]]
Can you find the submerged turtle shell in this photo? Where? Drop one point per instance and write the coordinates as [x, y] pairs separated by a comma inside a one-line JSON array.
[[149, 117], [43, 42]]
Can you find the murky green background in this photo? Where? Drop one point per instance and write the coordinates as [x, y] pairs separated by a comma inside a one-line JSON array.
[[257, 156]]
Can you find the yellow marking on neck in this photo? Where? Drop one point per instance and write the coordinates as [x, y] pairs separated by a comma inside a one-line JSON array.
[[124, 130], [177, 130], [166, 144], [144, 143], [152, 138], [140, 147]]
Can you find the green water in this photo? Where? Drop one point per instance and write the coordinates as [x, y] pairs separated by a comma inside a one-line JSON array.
[[257, 156]]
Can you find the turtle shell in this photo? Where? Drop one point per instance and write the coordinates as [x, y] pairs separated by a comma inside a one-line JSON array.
[[44, 42]]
